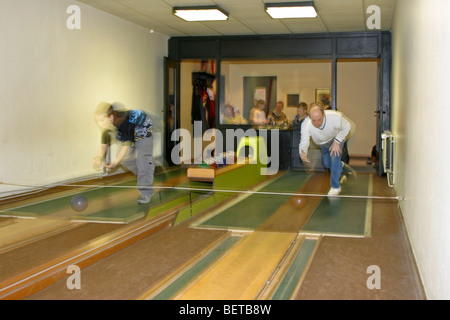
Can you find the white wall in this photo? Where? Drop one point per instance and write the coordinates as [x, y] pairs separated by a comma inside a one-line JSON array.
[[357, 98], [52, 78], [421, 113]]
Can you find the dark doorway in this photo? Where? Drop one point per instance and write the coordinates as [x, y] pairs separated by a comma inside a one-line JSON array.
[[259, 88], [171, 107]]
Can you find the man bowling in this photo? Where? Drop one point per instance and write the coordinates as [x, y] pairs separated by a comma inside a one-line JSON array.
[[329, 130]]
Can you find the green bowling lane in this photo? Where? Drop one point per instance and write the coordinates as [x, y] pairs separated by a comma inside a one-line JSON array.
[[344, 216], [335, 216], [252, 211], [123, 213], [129, 211]]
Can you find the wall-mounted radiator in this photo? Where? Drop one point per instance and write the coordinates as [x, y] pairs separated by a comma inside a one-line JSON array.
[[388, 148]]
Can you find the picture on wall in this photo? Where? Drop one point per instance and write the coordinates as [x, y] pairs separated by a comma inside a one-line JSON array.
[[293, 100], [260, 94], [323, 93]]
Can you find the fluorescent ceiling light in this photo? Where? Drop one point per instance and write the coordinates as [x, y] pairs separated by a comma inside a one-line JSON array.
[[201, 13], [284, 10]]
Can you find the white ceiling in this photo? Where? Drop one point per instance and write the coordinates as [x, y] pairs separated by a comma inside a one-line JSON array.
[[246, 17]]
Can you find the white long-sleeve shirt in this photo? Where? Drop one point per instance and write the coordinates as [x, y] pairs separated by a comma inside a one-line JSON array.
[[257, 116], [334, 126]]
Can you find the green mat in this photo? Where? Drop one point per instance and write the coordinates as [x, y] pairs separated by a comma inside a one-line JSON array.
[[130, 210], [343, 216], [240, 178], [55, 204], [252, 211], [124, 213]]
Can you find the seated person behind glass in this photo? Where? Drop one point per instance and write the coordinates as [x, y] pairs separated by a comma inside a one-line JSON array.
[[277, 116], [302, 113], [232, 116], [257, 114]]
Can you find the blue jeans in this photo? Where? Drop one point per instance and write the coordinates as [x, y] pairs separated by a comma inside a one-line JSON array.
[[139, 160], [333, 163]]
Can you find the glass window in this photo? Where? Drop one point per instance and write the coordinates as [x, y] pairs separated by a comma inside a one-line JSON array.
[[266, 92]]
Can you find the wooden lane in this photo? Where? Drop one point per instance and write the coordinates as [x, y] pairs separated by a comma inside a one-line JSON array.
[[263, 256], [37, 278], [27, 283], [23, 231], [241, 274], [266, 246], [20, 235], [168, 285], [131, 272], [289, 275], [21, 257]]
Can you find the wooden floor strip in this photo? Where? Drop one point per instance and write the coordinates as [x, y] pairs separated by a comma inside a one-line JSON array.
[[177, 281], [242, 273], [35, 279]]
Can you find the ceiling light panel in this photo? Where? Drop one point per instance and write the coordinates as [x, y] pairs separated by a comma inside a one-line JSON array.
[[291, 10], [202, 13]]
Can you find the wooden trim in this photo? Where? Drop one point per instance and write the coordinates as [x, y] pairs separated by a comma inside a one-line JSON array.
[[200, 174]]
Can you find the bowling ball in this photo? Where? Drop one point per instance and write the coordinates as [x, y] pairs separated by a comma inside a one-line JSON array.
[[79, 203], [299, 202]]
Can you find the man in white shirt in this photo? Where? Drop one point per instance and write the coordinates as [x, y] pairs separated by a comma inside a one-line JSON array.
[[329, 129]]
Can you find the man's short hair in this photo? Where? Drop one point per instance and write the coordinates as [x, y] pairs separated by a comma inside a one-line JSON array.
[[316, 105]]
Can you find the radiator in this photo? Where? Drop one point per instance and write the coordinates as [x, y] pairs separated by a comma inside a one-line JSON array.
[[388, 149]]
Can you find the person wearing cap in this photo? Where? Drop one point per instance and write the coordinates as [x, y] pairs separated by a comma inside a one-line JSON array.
[[133, 129], [329, 130]]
